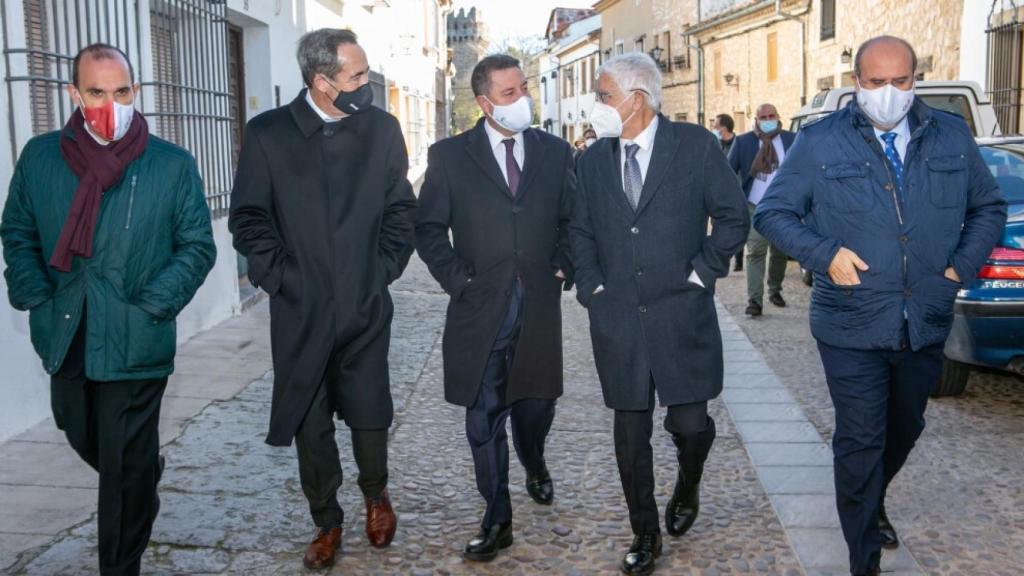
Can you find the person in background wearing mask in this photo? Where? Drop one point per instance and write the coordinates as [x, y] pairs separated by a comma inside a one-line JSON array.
[[322, 209], [756, 157], [106, 237], [504, 191], [891, 205], [646, 270], [722, 128]]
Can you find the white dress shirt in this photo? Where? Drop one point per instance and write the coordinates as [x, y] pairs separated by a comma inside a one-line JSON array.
[[761, 182], [902, 131], [645, 140], [323, 115], [498, 147]]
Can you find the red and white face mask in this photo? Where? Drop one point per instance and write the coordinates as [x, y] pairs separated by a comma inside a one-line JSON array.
[[109, 121]]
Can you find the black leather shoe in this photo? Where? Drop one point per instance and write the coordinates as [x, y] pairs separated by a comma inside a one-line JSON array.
[[540, 488], [682, 509], [640, 558], [889, 538], [753, 309], [484, 547], [777, 300]]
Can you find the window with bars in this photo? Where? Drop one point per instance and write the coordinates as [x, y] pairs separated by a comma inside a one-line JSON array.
[[41, 93], [828, 19], [166, 75], [1005, 54]]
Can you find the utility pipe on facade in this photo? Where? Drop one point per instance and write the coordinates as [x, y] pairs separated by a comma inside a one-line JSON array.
[[803, 44]]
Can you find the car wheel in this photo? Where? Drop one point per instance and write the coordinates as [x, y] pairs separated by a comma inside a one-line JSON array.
[[953, 380], [807, 276]]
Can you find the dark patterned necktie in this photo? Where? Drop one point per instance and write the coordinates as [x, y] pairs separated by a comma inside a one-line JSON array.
[[511, 166], [633, 182]]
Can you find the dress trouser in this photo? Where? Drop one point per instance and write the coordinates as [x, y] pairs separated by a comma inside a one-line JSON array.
[[319, 462], [880, 398], [113, 426], [759, 249], [485, 422], [693, 432]]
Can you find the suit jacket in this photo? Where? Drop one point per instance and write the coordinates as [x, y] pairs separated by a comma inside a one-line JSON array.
[[744, 150], [650, 321], [498, 236], [325, 215]]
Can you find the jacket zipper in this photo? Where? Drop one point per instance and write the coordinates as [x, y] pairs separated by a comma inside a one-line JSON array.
[[131, 202]]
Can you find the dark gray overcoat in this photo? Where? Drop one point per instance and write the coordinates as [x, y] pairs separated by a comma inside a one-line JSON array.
[[325, 215], [650, 321], [497, 236]]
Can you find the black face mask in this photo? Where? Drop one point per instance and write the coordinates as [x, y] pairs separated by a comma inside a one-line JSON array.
[[354, 102]]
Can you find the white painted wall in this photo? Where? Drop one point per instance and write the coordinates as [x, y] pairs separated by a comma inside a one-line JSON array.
[[546, 64], [974, 42]]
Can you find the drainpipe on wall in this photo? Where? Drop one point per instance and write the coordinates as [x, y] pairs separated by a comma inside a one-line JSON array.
[[700, 81], [803, 44]]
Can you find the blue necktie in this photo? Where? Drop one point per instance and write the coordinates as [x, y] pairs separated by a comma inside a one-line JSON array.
[[895, 162], [633, 180]]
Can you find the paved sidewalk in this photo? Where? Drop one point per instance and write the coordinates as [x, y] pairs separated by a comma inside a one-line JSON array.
[[232, 505]]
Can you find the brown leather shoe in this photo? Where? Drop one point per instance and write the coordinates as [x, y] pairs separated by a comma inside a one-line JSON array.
[[320, 553], [380, 520]]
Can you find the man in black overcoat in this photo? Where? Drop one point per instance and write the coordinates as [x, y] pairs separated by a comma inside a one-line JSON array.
[[646, 270], [323, 211], [505, 191]]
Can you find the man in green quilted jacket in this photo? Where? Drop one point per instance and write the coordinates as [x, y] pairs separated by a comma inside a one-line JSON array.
[[106, 237]]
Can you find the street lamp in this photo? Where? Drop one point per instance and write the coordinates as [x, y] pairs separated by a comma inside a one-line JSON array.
[[656, 53]]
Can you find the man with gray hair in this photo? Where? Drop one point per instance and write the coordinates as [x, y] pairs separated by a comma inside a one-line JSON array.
[[646, 271], [323, 211]]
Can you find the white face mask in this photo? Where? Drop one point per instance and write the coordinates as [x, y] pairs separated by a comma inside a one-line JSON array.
[[885, 106], [514, 117], [590, 141], [605, 120]]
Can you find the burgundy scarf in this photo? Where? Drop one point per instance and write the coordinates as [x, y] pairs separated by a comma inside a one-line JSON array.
[[98, 167]]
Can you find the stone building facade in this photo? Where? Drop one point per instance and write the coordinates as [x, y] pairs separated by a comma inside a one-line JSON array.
[[468, 41], [782, 52]]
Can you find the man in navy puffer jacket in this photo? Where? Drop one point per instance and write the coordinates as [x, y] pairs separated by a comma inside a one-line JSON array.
[[892, 206]]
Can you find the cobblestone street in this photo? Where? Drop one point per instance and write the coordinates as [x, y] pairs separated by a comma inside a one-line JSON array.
[[957, 504], [233, 505]]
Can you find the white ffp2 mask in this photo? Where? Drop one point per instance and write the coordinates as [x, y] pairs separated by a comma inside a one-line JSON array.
[[885, 106]]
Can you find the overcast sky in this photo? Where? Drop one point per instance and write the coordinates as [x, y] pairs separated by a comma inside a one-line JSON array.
[[515, 18]]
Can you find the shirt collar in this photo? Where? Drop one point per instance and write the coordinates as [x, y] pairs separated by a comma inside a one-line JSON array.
[[902, 130], [645, 139], [496, 138], [323, 115]]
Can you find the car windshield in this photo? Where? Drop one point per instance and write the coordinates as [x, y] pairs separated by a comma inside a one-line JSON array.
[[1006, 162]]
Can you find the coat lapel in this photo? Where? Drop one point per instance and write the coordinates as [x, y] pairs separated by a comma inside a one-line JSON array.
[[665, 145], [479, 149], [611, 174], [534, 156]]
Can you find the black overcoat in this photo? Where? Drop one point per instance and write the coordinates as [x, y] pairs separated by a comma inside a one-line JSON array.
[[325, 215], [650, 320], [497, 236]]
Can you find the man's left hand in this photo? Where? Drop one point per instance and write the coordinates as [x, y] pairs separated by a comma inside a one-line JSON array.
[[952, 275], [560, 275]]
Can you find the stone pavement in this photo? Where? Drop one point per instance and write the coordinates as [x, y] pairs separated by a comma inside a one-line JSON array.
[[957, 503], [233, 505]]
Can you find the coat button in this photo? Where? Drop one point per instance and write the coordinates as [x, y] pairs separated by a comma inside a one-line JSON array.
[[516, 210], [907, 292], [639, 271], [904, 239], [67, 316], [328, 132], [643, 309], [508, 292], [888, 187], [634, 230]]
